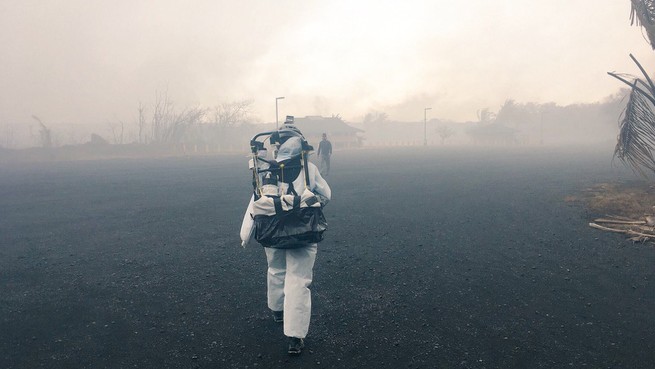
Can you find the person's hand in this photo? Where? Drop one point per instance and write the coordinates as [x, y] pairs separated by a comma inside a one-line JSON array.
[[322, 199]]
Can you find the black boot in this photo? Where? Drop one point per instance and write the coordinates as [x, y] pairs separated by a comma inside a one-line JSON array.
[[296, 345], [278, 316]]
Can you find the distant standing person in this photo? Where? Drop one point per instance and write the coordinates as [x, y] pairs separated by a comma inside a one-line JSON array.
[[324, 153]]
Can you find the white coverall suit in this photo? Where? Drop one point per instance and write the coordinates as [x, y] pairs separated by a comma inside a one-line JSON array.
[[290, 271]]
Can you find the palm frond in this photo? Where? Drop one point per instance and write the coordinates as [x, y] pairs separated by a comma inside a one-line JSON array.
[[642, 14], [636, 139], [650, 84]]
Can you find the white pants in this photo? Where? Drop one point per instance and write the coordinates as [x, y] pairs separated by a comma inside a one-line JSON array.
[[290, 273]]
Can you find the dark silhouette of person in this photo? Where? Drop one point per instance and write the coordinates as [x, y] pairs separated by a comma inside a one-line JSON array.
[[324, 154]]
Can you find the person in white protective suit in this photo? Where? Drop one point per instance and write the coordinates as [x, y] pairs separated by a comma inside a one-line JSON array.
[[290, 270]]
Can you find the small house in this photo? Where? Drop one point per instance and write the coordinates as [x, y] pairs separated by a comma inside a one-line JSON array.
[[340, 134]]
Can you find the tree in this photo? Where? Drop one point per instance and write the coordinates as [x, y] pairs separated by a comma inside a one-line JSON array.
[[375, 117], [142, 123], [9, 136], [485, 115], [231, 114], [117, 131], [444, 132], [636, 140], [515, 115], [169, 126], [45, 135], [643, 14], [227, 125]]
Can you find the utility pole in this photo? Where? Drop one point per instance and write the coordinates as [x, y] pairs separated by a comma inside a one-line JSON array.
[[541, 128], [276, 119], [425, 126]]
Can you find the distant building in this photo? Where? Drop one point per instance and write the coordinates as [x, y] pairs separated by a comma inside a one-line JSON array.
[[340, 134]]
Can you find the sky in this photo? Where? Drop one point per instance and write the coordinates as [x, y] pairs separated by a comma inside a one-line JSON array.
[[91, 62]]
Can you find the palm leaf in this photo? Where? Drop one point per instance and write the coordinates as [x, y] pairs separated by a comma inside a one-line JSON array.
[[637, 133], [642, 14]]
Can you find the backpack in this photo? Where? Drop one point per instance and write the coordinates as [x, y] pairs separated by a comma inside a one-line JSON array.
[[284, 220]]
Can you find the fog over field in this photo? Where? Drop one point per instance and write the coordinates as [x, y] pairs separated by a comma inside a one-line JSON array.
[[439, 257], [471, 139], [87, 67]]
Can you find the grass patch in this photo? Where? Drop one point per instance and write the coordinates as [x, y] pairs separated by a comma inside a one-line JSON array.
[[622, 207]]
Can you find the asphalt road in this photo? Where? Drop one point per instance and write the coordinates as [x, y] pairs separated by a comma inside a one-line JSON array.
[[435, 258]]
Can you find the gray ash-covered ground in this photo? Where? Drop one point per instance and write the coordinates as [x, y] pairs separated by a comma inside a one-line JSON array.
[[435, 258]]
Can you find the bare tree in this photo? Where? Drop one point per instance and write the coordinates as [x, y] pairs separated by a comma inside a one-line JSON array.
[[117, 131], [161, 117], [169, 126], [444, 132], [9, 136], [232, 113], [142, 123], [192, 125], [45, 135]]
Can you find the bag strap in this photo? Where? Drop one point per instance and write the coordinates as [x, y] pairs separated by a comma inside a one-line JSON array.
[[278, 205], [292, 189]]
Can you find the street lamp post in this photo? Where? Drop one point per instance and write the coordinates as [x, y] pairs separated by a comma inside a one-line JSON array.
[[276, 120], [425, 126]]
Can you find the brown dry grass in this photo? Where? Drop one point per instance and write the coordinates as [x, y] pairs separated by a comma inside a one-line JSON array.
[[621, 201], [630, 200]]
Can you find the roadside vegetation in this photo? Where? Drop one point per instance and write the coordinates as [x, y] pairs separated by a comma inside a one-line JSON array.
[[630, 208]]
